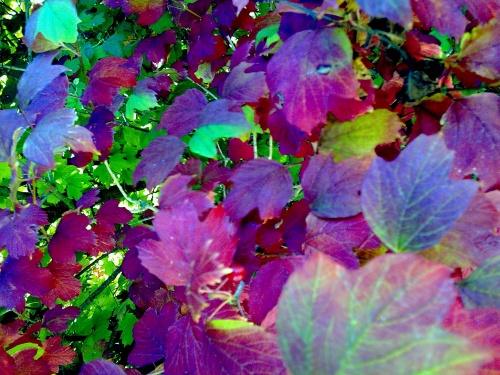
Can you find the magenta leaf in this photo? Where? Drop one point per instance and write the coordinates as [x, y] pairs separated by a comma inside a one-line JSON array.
[[66, 286], [267, 285], [62, 247], [260, 184], [183, 115], [382, 318], [221, 347], [244, 87], [339, 238], [18, 231], [149, 11], [38, 75], [158, 160], [175, 192], [310, 81], [56, 319], [470, 122], [482, 287], [150, 335], [446, 16], [106, 78], [333, 189], [110, 214], [395, 10], [410, 203], [20, 276], [54, 131], [190, 253], [101, 366]]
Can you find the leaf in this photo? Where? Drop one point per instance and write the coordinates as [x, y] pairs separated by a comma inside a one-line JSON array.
[[53, 24], [190, 253], [446, 16], [477, 51], [333, 189], [54, 131], [150, 335], [106, 78], [222, 118], [311, 81], [110, 214], [101, 366], [149, 11], [156, 48], [483, 10], [183, 115], [56, 319], [20, 276], [143, 98], [38, 75], [89, 199], [62, 247], [470, 122], [175, 192], [158, 160], [19, 230], [482, 287], [360, 136], [244, 87], [382, 318], [411, 203], [260, 184], [472, 239], [56, 354], [339, 238], [11, 121], [65, 285], [397, 11], [221, 347]]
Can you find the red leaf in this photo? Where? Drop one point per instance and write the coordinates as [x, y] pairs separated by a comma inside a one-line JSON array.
[[149, 11], [190, 253], [66, 286], [62, 247], [260, 184], [56, 319], [19, 230], [110, 214], [310, 81], [27, 365], [158, 160], [9, 332], [7, 363], [56, 355], [483, 10], [333, 189], [470, 122], [106, 78]]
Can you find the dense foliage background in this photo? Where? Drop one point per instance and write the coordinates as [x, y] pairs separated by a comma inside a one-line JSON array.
[[238, 187]]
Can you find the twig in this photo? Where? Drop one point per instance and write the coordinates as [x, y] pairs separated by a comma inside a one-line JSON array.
[[101, 288]]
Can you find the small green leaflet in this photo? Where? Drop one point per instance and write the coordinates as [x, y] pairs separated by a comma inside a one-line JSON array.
[[57, 20], [203, 139], [142, 101]]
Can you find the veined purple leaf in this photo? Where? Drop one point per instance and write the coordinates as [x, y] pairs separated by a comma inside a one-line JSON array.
[[310, 81], [260, 184], [410, 203], [333, 189], [51, 98], [19, 230], [56, 319], [88, 199], [11, 121], [244, 87], [382, 318], [158, 160], [150, 335], [482, 287], [100, 367], [54, 131], [39, 74], [175, 192]]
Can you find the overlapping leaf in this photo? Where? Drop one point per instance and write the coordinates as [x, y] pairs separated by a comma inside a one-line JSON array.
[[383, 318], [470, 122], [411, 203], [260, 184], [101, 366], [56, 319], [360, 136], [311, 73], [149, 11], [446, 16], [54, 131], [13, 124], [482, 287], [394, 10], [190, 253]]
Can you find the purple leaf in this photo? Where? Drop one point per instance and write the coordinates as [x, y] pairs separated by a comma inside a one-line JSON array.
[[19, 230], [333, 189], [289, 136], [88, 199], [410, 203], [260, 184], [310, 81], [175, 192], [150, 335], [245, 87], [395, 10], [20, 276], [100, 367], [131, 266], [11, 121], [38, 75], [158, 160], [157, 48], [110, 214], [331, 320], [51, 98], [183, 115], [56, 319], [482, 287], [53, 132]]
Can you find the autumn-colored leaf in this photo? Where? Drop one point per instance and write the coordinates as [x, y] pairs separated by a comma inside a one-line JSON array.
[[394, 10], [149, 11], [56, 354], [101, 366], [56, 319], [446, 16], [382, 318], [411, 203]]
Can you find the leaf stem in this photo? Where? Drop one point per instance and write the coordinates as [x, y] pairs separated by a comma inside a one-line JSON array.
[[101, 288]]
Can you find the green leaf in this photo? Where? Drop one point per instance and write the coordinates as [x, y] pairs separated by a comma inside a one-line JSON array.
[[202, 142], [482, 287], [58, 21], [141, 101]]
